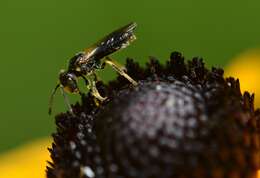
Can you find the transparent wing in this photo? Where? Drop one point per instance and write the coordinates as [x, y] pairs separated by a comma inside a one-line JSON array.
[[111, 43]]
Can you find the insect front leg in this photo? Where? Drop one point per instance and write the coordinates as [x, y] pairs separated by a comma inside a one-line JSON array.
[[120, 70], [66, 100]]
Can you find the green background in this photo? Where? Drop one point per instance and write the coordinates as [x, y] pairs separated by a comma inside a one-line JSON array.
[[37, 37]]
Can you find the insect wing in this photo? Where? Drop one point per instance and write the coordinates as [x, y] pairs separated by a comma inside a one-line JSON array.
[[111, 43]]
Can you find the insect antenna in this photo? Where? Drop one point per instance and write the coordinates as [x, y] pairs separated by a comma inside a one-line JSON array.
[[51, 98]]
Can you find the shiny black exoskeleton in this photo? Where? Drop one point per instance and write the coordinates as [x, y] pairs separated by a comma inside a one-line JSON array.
[[95, 57]]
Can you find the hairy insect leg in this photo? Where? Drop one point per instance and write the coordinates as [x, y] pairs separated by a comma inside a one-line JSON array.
[[120, 70], [91, 83], [66, 100]]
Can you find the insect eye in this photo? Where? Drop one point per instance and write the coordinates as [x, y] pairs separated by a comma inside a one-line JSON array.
[[71, 86], [71, 81]]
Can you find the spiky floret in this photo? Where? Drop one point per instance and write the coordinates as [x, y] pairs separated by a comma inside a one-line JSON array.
[[182, 121]]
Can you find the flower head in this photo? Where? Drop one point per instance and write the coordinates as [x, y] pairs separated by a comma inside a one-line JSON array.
[[182, 120]]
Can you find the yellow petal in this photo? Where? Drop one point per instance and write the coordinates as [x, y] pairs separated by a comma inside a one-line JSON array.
[[246, 67], [28, 161]]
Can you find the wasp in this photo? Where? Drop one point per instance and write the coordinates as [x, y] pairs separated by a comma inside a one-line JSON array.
[[84, 64]]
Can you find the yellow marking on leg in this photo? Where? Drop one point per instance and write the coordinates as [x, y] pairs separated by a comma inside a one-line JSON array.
[[117, 68], [94, 90]]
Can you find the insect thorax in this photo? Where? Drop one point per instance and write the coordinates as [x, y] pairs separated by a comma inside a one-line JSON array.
[[81, 66]]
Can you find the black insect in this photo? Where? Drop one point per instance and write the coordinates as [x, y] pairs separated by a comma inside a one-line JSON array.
[[85, 63]]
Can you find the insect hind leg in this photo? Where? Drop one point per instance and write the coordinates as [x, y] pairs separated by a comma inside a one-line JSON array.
[[120, 70]]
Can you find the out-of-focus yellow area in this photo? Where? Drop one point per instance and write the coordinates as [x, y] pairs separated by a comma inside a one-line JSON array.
[[246, 67], [28, 161]]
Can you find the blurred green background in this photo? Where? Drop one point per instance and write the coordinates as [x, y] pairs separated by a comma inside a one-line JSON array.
[[38, 37]]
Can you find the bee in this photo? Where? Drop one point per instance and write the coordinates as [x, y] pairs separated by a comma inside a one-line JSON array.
[[84, 64]]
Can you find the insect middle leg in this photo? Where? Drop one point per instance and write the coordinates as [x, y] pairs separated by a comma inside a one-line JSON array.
[[91, 83], [119, 69]]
